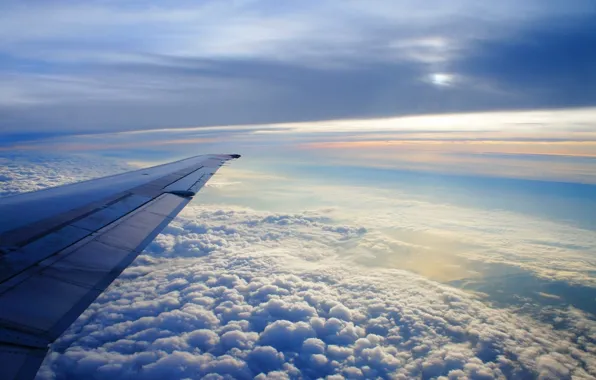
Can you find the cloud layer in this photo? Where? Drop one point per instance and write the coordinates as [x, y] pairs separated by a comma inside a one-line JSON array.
[[232, 291], [235, 292]]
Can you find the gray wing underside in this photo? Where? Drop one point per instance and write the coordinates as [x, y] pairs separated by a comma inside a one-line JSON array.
[[62, 247]]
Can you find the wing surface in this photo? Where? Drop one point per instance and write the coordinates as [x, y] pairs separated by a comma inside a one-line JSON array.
[[62, 247]]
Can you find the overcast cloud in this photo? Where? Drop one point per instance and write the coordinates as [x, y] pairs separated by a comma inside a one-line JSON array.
[[97, 66]]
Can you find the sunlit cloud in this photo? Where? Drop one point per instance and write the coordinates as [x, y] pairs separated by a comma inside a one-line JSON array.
[[470, 145], [535, 122]]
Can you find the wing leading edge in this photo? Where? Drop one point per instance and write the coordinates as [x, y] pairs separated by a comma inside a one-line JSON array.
[[61, 248]]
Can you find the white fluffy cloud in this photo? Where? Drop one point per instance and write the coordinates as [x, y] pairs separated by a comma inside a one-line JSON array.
[[228, 291], [425, 233], [232, 292]]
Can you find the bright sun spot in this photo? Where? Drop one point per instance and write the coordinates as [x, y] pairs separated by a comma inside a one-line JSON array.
[[441, 79]]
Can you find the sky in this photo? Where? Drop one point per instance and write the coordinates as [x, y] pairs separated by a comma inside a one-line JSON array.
[[81, 66], [416, 196]]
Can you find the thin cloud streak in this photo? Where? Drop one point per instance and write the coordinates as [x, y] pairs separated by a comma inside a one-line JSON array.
[[475, 146], [555, 145], [83, 147]]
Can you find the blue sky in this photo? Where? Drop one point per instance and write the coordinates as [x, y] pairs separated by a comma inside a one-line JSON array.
[[74, 67]]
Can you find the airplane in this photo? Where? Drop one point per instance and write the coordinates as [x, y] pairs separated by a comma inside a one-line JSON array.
[[61, 247]]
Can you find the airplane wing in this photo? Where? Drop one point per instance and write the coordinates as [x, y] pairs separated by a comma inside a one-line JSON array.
[[61, 247]]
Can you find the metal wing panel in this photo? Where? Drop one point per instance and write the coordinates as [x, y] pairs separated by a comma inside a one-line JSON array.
[[55, 273], [46, 298], [28, 208], [40, 303], [51, 232]]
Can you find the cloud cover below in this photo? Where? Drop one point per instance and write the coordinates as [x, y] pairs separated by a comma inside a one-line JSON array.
[[232, 291], [226, 291]]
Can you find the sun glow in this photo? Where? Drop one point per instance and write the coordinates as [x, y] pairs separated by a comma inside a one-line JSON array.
[[441, 79]]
